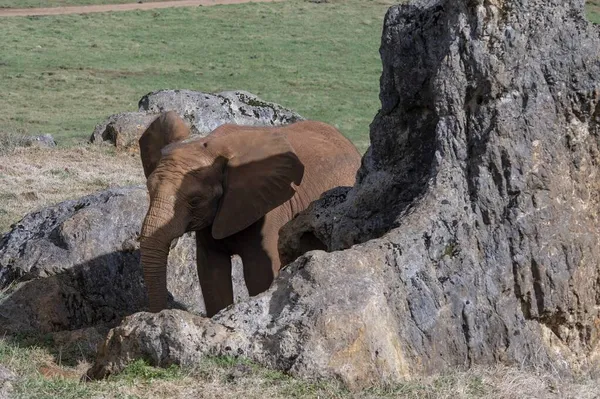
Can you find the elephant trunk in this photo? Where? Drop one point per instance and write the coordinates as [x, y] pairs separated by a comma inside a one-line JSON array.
[[154, 263], [160, 227]]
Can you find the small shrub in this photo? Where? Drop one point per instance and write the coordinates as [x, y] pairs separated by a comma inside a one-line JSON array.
[[11, 140]]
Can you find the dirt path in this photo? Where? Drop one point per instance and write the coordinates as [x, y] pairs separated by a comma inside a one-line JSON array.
[[25, 12]]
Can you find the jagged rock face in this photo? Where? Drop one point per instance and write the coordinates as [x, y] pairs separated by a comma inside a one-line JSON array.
[[509, 212], [484, 163], [476, 206], [203, 111], [77, 264]]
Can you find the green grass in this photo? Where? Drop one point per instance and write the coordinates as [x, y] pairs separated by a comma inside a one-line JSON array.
[[209, 377], [63, 75], [36, 374], [593, 10], [61, 3], [38, 371]]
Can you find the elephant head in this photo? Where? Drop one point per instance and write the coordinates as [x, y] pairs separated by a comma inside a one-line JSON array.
[[226, 182]]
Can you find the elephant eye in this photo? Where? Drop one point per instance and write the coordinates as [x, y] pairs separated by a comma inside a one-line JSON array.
[[195, 202]]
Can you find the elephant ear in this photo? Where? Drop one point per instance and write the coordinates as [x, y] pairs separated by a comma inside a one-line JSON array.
[[262, 166], [166, 129]]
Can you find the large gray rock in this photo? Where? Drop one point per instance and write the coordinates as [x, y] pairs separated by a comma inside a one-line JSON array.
[[76, 265], [203, 111], [482, 178], [42, 141], [473, 224]]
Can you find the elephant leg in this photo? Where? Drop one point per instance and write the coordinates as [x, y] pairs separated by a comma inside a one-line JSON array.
[[258, 250], [214, 273], [258, 272]]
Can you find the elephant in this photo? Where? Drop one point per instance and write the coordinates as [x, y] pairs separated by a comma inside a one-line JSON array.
[[235, 188]]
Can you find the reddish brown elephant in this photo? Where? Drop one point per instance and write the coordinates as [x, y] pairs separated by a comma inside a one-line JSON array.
[[235, 188]]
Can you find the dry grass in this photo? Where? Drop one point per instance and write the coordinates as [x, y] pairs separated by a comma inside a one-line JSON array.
[[32, 178], [40, 375]]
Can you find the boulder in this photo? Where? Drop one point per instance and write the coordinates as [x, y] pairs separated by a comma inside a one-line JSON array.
[[203, 111], [11, 141], [313, 228], [122, 130], [76, 265], [481, 180], [471, 235]]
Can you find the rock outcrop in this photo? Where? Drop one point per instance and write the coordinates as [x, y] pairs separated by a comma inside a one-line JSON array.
[[76, 265], [313, 228], [203, 111], [473, 225], [122, 130], [206, 112], [326, 316]]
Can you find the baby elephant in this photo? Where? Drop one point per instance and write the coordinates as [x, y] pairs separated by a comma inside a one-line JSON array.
[[235, 188]]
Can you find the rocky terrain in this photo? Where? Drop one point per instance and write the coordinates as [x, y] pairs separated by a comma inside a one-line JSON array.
[[470, 238]]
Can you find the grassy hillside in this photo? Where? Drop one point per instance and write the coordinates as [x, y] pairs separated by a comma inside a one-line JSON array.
[[62, 75], [593, 9], [61, 3]]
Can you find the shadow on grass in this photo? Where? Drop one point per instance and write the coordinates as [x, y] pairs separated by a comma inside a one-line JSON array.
[[70, 312]]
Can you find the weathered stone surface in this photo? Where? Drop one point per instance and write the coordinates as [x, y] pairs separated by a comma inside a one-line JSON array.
[[7, 379], [312, 229], [82, 343], [304, 324], [122, 130], [482, 178], [473, 224], [166, 337], [76, 264], [205, 112], [99, 134]]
